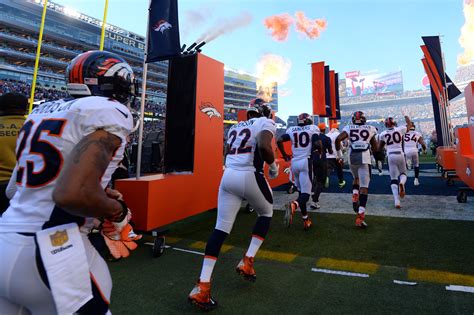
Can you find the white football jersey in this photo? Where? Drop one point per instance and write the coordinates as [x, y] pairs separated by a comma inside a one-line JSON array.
[[411, 141], [46, 140], [359, 143], [333, 134], [301, 140], [393, 138], [242, 141]]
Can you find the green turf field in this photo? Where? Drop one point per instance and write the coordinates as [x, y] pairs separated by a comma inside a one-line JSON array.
[[433, 253]]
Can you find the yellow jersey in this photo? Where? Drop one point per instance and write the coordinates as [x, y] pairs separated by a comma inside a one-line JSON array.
[[9, 130]]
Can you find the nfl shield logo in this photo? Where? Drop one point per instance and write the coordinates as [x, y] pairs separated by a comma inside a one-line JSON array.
[[59, 238]]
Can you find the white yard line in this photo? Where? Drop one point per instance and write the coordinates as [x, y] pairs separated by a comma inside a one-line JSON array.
[[341, 273]]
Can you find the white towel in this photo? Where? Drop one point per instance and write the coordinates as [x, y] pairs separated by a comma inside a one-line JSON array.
[[65, 262]]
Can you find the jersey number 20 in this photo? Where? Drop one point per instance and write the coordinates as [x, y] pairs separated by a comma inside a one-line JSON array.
[[52, 157]]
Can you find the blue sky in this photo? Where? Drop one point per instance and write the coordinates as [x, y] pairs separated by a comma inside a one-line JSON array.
[[382, 35]]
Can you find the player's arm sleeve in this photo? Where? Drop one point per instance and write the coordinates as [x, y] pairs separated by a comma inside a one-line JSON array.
[[285, 137], [111, 117], [11, 187]]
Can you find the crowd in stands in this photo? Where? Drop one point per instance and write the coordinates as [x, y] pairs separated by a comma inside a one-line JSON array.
[[464, 73], [42, 92]]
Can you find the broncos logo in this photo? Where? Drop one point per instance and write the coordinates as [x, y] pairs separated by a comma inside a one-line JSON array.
[[209, 109], [162, 26]]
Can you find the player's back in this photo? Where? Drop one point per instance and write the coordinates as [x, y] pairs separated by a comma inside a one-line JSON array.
[[242, 140], [393, 139], [301, 140], [45, 142], [411, 141], [359, 143]]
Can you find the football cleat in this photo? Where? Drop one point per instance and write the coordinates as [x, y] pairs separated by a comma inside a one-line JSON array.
[[360, 221], [401, 190], [307, 223], [290, 212], [342, 184], [416, 182], [245, 269], [201, 296], [314, 205], [380, 173]]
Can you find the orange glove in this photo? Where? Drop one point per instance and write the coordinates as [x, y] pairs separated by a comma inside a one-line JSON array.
[[119, 242]]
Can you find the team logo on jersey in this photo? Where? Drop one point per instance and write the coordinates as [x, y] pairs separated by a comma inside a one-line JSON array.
[[209, 109], [59, 238], [161, 26]]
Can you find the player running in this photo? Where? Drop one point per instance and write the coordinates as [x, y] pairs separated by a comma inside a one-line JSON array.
[[301, 138], [361, 140], [411, 140], [333, 162], [392, 139], [66, 153], [249, 145]]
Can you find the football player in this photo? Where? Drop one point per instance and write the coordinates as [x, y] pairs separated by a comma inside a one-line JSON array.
[[301, 138], [361, 140], [320, 165], [392, 139], [249, 145], [66, 153], [333, 162], [411, 140]]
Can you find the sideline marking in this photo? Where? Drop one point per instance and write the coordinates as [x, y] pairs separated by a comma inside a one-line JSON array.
[[202, 245], [460, 288], [347, 265], [188, 251], [443, 277], [405, 282], [341, 273], [283, 257]]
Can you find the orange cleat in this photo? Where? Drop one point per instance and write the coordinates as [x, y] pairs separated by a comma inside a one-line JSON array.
[[307, 224], [360, 221], [245, 268], [201, 296], [290, 212], [401, 190]]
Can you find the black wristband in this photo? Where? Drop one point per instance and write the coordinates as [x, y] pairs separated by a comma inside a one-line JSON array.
[[124, 211]]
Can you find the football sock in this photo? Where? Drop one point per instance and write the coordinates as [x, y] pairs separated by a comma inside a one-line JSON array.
[[254, 246], [403, 179], [259, 233], [417, 171], [361, 210], [394, 187], [363, 200], [317, 192], [355, 189], [213, 248], [302, 200], [207, 268]]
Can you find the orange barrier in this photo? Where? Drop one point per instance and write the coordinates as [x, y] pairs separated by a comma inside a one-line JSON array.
[[465, 155], [445, 158], [163, 199], [465, 144]]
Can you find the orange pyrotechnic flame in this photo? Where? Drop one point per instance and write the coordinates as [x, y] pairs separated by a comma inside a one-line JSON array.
[[467, 34], [311, 28], [271, 69], [279, 25]]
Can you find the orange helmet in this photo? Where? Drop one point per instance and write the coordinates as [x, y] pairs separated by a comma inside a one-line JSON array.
[[322, 126]]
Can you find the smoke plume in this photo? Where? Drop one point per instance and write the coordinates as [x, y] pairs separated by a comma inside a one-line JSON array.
[[466, 40], [311, 28], [271, 69], [279, 25], [225, 26], [194, 19]]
